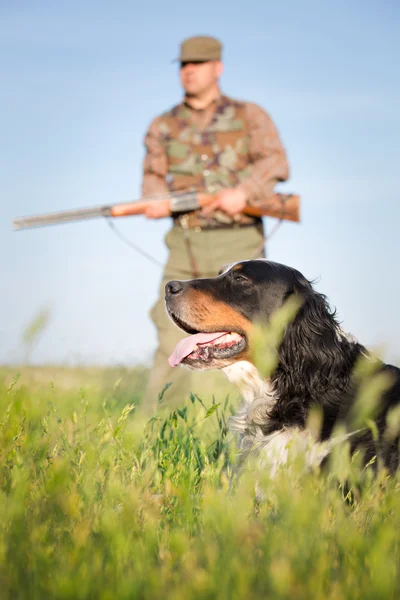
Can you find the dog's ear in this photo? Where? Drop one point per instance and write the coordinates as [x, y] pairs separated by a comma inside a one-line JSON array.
[[312, 341]]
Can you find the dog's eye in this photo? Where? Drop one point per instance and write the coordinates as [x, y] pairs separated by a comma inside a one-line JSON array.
[[240, 277]]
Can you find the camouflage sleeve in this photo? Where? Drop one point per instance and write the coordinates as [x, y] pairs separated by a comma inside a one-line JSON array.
[[267, 156], [155, 166]]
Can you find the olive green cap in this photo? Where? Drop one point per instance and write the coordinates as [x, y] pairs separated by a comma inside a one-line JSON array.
[[200, 48]]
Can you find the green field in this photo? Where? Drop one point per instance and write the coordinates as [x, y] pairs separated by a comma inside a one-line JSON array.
[[98, 501]]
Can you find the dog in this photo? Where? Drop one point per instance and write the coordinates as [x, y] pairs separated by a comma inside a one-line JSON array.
[[315, 365]]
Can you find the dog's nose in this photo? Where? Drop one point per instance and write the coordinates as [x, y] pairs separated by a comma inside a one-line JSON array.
[[173, 287]]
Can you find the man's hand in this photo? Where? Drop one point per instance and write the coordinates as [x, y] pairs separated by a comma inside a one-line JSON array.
[[158, 209], [231, 200]]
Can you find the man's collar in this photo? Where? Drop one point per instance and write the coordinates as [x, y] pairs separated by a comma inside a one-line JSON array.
[[214, 102]]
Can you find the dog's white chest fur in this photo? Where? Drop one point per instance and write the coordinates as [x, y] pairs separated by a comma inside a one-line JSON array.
[[273, 449]]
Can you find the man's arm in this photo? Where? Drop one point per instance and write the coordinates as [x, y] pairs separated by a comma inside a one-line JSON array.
[[155, 169], [269, 161], [267, 156]]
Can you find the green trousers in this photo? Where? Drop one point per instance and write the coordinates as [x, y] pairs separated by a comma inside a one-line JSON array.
[[212, 249]]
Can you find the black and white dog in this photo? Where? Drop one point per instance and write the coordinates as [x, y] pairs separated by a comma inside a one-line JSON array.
[[314, 364]]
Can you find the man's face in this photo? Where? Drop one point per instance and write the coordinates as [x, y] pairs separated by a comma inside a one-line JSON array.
[[198, 77]]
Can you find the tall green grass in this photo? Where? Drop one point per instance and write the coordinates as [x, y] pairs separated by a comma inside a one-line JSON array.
[[97, 502]]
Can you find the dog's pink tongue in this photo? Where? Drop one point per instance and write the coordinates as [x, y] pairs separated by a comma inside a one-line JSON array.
[[187, 345]]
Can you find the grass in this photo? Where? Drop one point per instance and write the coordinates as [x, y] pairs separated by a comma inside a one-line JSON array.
[[97, 502]]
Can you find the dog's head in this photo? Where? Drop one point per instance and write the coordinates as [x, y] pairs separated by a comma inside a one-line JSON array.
[[220, 312]]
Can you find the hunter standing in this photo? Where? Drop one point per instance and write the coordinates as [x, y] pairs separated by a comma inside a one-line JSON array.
[[211, 143]]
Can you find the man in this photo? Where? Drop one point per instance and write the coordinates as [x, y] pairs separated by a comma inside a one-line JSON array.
[[207, 143]]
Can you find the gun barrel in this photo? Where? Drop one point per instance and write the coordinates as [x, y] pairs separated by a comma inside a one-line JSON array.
[[65, 216]]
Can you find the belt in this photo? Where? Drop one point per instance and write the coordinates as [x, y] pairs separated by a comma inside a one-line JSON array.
[[212, 225]]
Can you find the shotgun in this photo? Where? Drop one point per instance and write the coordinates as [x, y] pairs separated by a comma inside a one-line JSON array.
[[281, 206]]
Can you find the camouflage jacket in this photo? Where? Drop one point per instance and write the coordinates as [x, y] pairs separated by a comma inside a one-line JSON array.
[[237, 147]]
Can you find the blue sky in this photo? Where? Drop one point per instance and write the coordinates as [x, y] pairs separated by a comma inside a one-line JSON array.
[[81, 82]]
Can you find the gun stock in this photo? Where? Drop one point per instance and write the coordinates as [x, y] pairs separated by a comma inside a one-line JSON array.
[[279, 206]]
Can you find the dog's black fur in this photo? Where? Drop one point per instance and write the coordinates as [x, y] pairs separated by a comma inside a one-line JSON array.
[[316, 359]]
